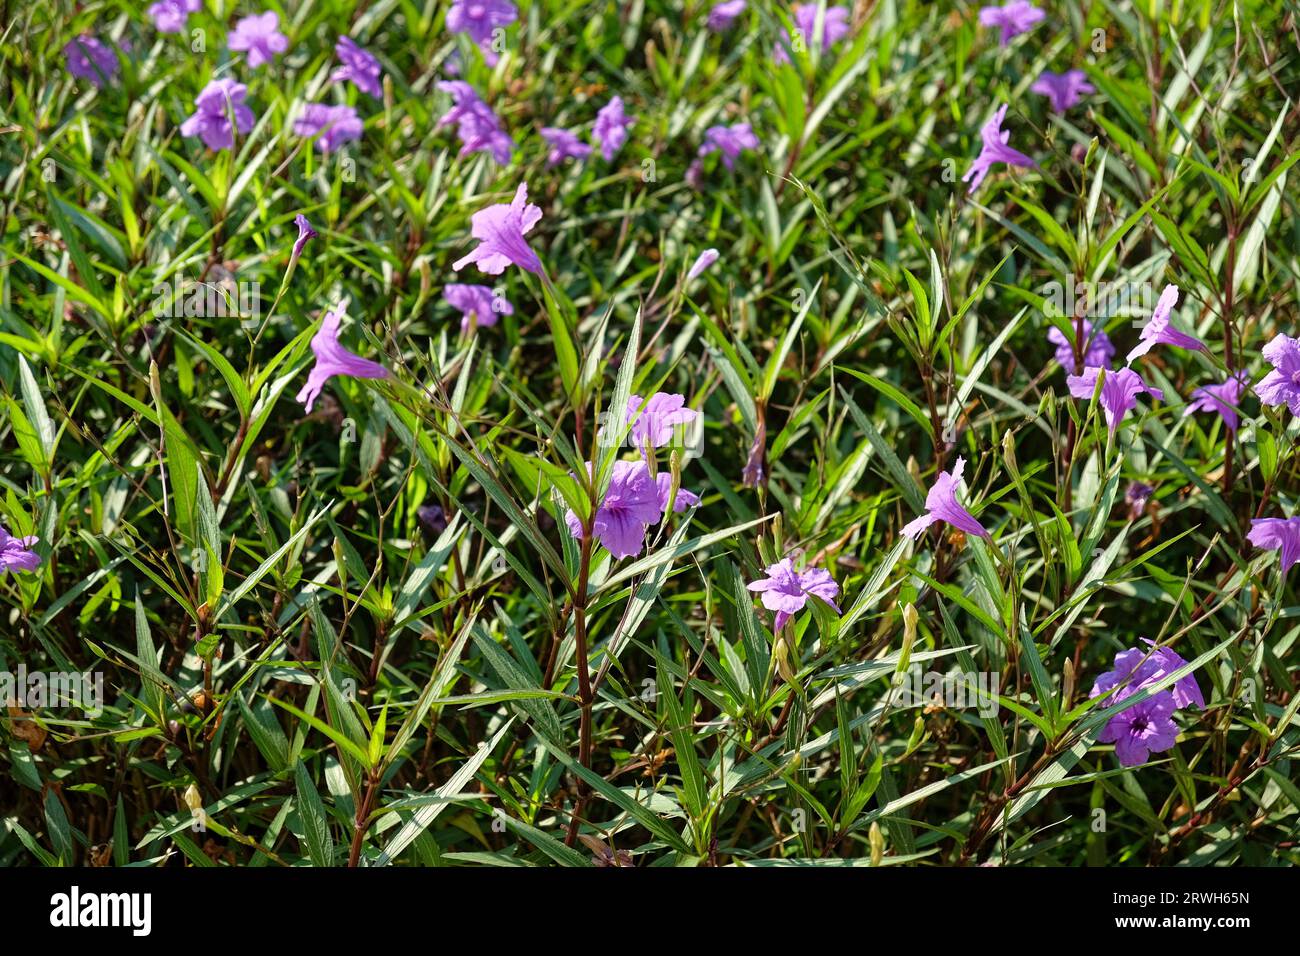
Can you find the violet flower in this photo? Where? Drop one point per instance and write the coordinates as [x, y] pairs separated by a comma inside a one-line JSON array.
[[359, 65], [1145, 728], [1137, 668], [1063, 89], [786, 590], [170, 16], [1013, 19], [1158, 330], [16, 554], [305, 232], [941, 504], [835, 26], [260, 36], [610, 129], [702, 262], [1223, 398], [1136, 497], [1098, 352], [476, 302], [331, 125], [1277, 534], [723, 15], [564, 145], [1282, 385], [480, 19], [1119, 391], [333, 359], [631, 504], [994, 150], [664, 486], [500, 230], [432, 517], [90, 58], [220, 101], [478, 127], [654, 423], [730, 141]]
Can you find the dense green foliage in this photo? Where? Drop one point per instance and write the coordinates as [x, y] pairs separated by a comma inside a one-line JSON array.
[[298, 670]]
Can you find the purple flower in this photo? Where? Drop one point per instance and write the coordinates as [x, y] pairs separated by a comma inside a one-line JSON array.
[[170, 16], [476, 302], [664, 486], [564, 145], [653, 424], [1223, 399], [259, 35], [16, 554], [941, 504], [730, 141], [1119, 391], [480, 18], [1097, 350], [433, 518], [1282, 385], [705, 259], [359, 66], [1013, 19], [477, 126], [723, 15], [333, 359], [500, 230], [1136, 496], [835, 26], [1063, 89], [994, 150], [632, 503], [1143, 729], [91, 59], [610, 129], [786, 590], [1277, 534], [220, 101], [305, 232], [1158, 331], [1136, 668], [335, 125]]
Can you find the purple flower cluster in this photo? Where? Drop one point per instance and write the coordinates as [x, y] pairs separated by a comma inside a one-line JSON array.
[[834, 27], [634, 501], [480, 19], [1147, 726], [610, 129], [171, 16], [331, 125], [730, 141], [91, 59], [479, 128], [360, 66]]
